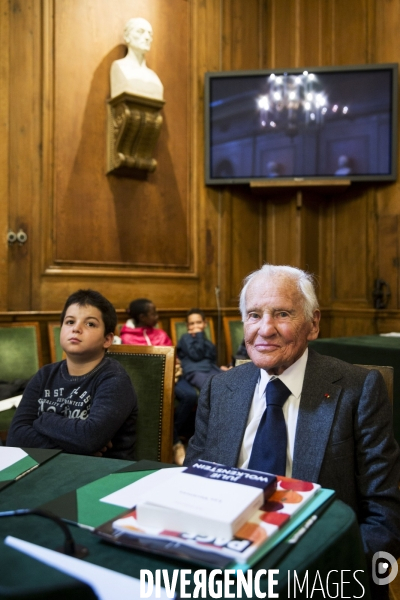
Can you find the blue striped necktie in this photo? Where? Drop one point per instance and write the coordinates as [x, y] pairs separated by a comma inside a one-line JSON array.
[[269, 446]]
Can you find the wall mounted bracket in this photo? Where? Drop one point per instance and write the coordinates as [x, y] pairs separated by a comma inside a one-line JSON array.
[[133, 127]]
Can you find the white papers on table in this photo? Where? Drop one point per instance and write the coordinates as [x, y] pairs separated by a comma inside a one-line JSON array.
[[10, 403], [130, 495], [391, 334], [106, 584], [9, 456]]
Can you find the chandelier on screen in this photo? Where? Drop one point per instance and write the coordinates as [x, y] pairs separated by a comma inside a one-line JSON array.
[[293, 102]]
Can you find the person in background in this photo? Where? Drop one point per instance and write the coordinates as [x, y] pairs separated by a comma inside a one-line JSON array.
[[344, 166], [197, 354], [85, 404], [241, 353], [141, 330]]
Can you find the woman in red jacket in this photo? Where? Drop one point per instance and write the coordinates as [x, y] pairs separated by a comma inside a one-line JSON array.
[[140, 329]]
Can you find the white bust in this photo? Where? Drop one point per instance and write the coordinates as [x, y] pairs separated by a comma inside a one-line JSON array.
[[131, 74]]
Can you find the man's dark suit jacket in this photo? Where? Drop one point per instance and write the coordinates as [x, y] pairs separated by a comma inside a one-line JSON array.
[[344, 438]]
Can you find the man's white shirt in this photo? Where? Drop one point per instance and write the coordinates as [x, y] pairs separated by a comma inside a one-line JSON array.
[[293, 378]]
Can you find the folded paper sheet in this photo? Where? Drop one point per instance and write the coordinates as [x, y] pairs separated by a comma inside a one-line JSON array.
[[107, 584]]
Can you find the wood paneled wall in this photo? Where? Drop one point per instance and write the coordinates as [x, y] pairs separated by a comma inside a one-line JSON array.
[[168, 236]]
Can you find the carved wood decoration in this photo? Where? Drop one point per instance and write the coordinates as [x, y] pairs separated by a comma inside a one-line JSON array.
[[133, 128]]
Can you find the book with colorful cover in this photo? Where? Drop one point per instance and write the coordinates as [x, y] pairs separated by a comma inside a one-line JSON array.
[[292, 504], [98, 505]]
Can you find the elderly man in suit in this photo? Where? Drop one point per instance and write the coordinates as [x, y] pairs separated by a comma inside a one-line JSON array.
[[334, 424]]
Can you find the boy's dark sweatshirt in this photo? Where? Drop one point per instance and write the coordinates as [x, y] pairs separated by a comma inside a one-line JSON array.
[[78, 414]]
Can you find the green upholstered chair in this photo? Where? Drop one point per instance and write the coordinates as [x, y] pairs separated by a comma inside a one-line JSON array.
[[233, 332], [56, 352], [179, 327], [20, 350], [151, 369], [21, 358]]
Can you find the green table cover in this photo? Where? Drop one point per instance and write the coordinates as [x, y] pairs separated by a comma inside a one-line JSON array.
[[333, 542]]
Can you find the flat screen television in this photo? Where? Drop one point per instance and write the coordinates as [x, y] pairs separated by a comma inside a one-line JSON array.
[[309, 123]]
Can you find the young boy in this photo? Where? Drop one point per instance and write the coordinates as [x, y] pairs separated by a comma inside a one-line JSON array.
[[85, 404], [140, 329], [197, 354]]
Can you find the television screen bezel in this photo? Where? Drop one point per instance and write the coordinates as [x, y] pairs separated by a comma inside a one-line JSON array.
[[390, 177]]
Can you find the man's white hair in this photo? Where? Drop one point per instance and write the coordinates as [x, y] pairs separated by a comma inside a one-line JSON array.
[[303, 280]]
